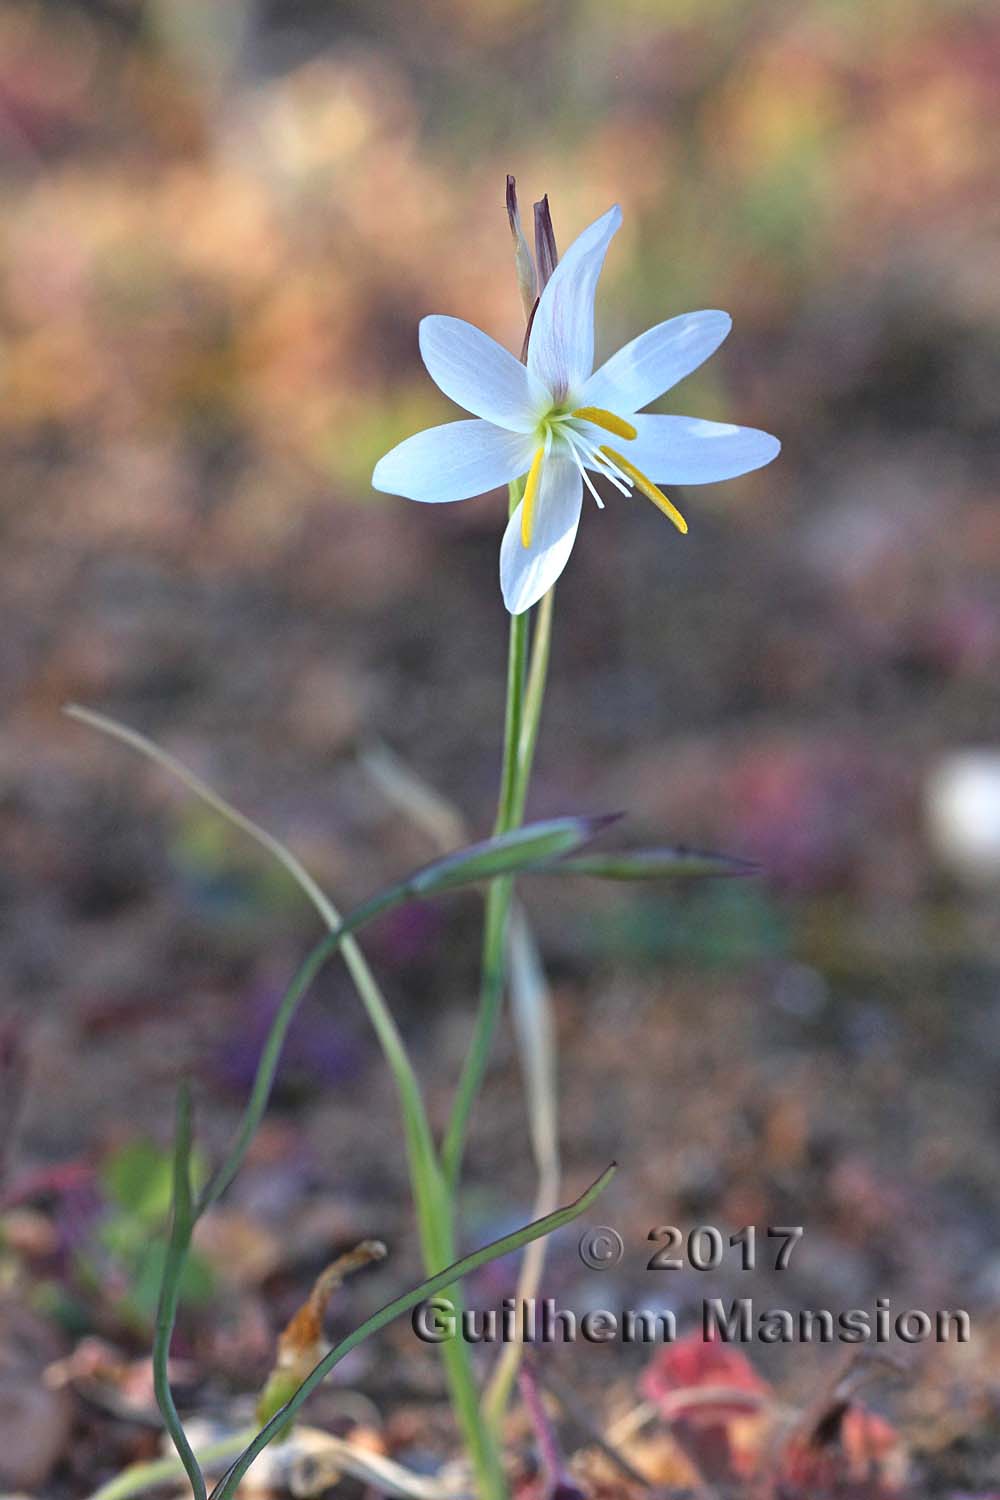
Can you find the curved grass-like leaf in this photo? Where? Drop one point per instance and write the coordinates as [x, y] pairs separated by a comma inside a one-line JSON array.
[[394, 1309]]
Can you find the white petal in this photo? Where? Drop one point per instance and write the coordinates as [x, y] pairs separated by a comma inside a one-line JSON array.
[[655, 361], [453, 462], [479, 374], [688, 450], [526, 573], [561, 347]]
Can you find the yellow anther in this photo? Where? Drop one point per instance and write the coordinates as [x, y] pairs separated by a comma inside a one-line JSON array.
[[649, 489], [605, 419], [530, 492]]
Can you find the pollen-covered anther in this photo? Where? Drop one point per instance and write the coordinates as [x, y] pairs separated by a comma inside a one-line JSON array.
[[648, 488], [605, 419], [530, 493]]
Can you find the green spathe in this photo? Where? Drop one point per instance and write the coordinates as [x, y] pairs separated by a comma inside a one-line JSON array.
[[533, 845]]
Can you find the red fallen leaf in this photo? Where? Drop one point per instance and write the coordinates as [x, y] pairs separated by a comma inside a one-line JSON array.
[[694, 1363], [702, 1387], [865, 1435], [854, 1452]]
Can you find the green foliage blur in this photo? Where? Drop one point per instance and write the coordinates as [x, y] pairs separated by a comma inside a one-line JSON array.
[[128, 1245]]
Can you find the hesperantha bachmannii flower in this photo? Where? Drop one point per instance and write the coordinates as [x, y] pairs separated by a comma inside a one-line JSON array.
[[559, 421]]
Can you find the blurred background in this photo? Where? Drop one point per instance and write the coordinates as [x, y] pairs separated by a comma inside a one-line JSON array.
[[223, 222]]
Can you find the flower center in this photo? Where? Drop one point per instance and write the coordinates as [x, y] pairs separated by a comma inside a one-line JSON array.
[[569, 427]]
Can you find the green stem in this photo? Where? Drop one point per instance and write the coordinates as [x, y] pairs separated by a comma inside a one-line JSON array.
[[525, 696], [517, 656], [181, 1228], [435, 1230], [534, 697], [498, 898]]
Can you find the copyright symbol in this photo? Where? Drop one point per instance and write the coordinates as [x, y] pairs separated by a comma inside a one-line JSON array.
[[601, 1248]]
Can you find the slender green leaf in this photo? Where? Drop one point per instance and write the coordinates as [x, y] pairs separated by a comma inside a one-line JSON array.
[[394, 1309], [653, 864]]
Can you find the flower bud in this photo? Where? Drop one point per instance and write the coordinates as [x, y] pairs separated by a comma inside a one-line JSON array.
[[524, 265], [545, 243]]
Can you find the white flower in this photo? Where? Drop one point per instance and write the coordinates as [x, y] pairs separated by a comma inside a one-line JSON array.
[[551, 419]]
